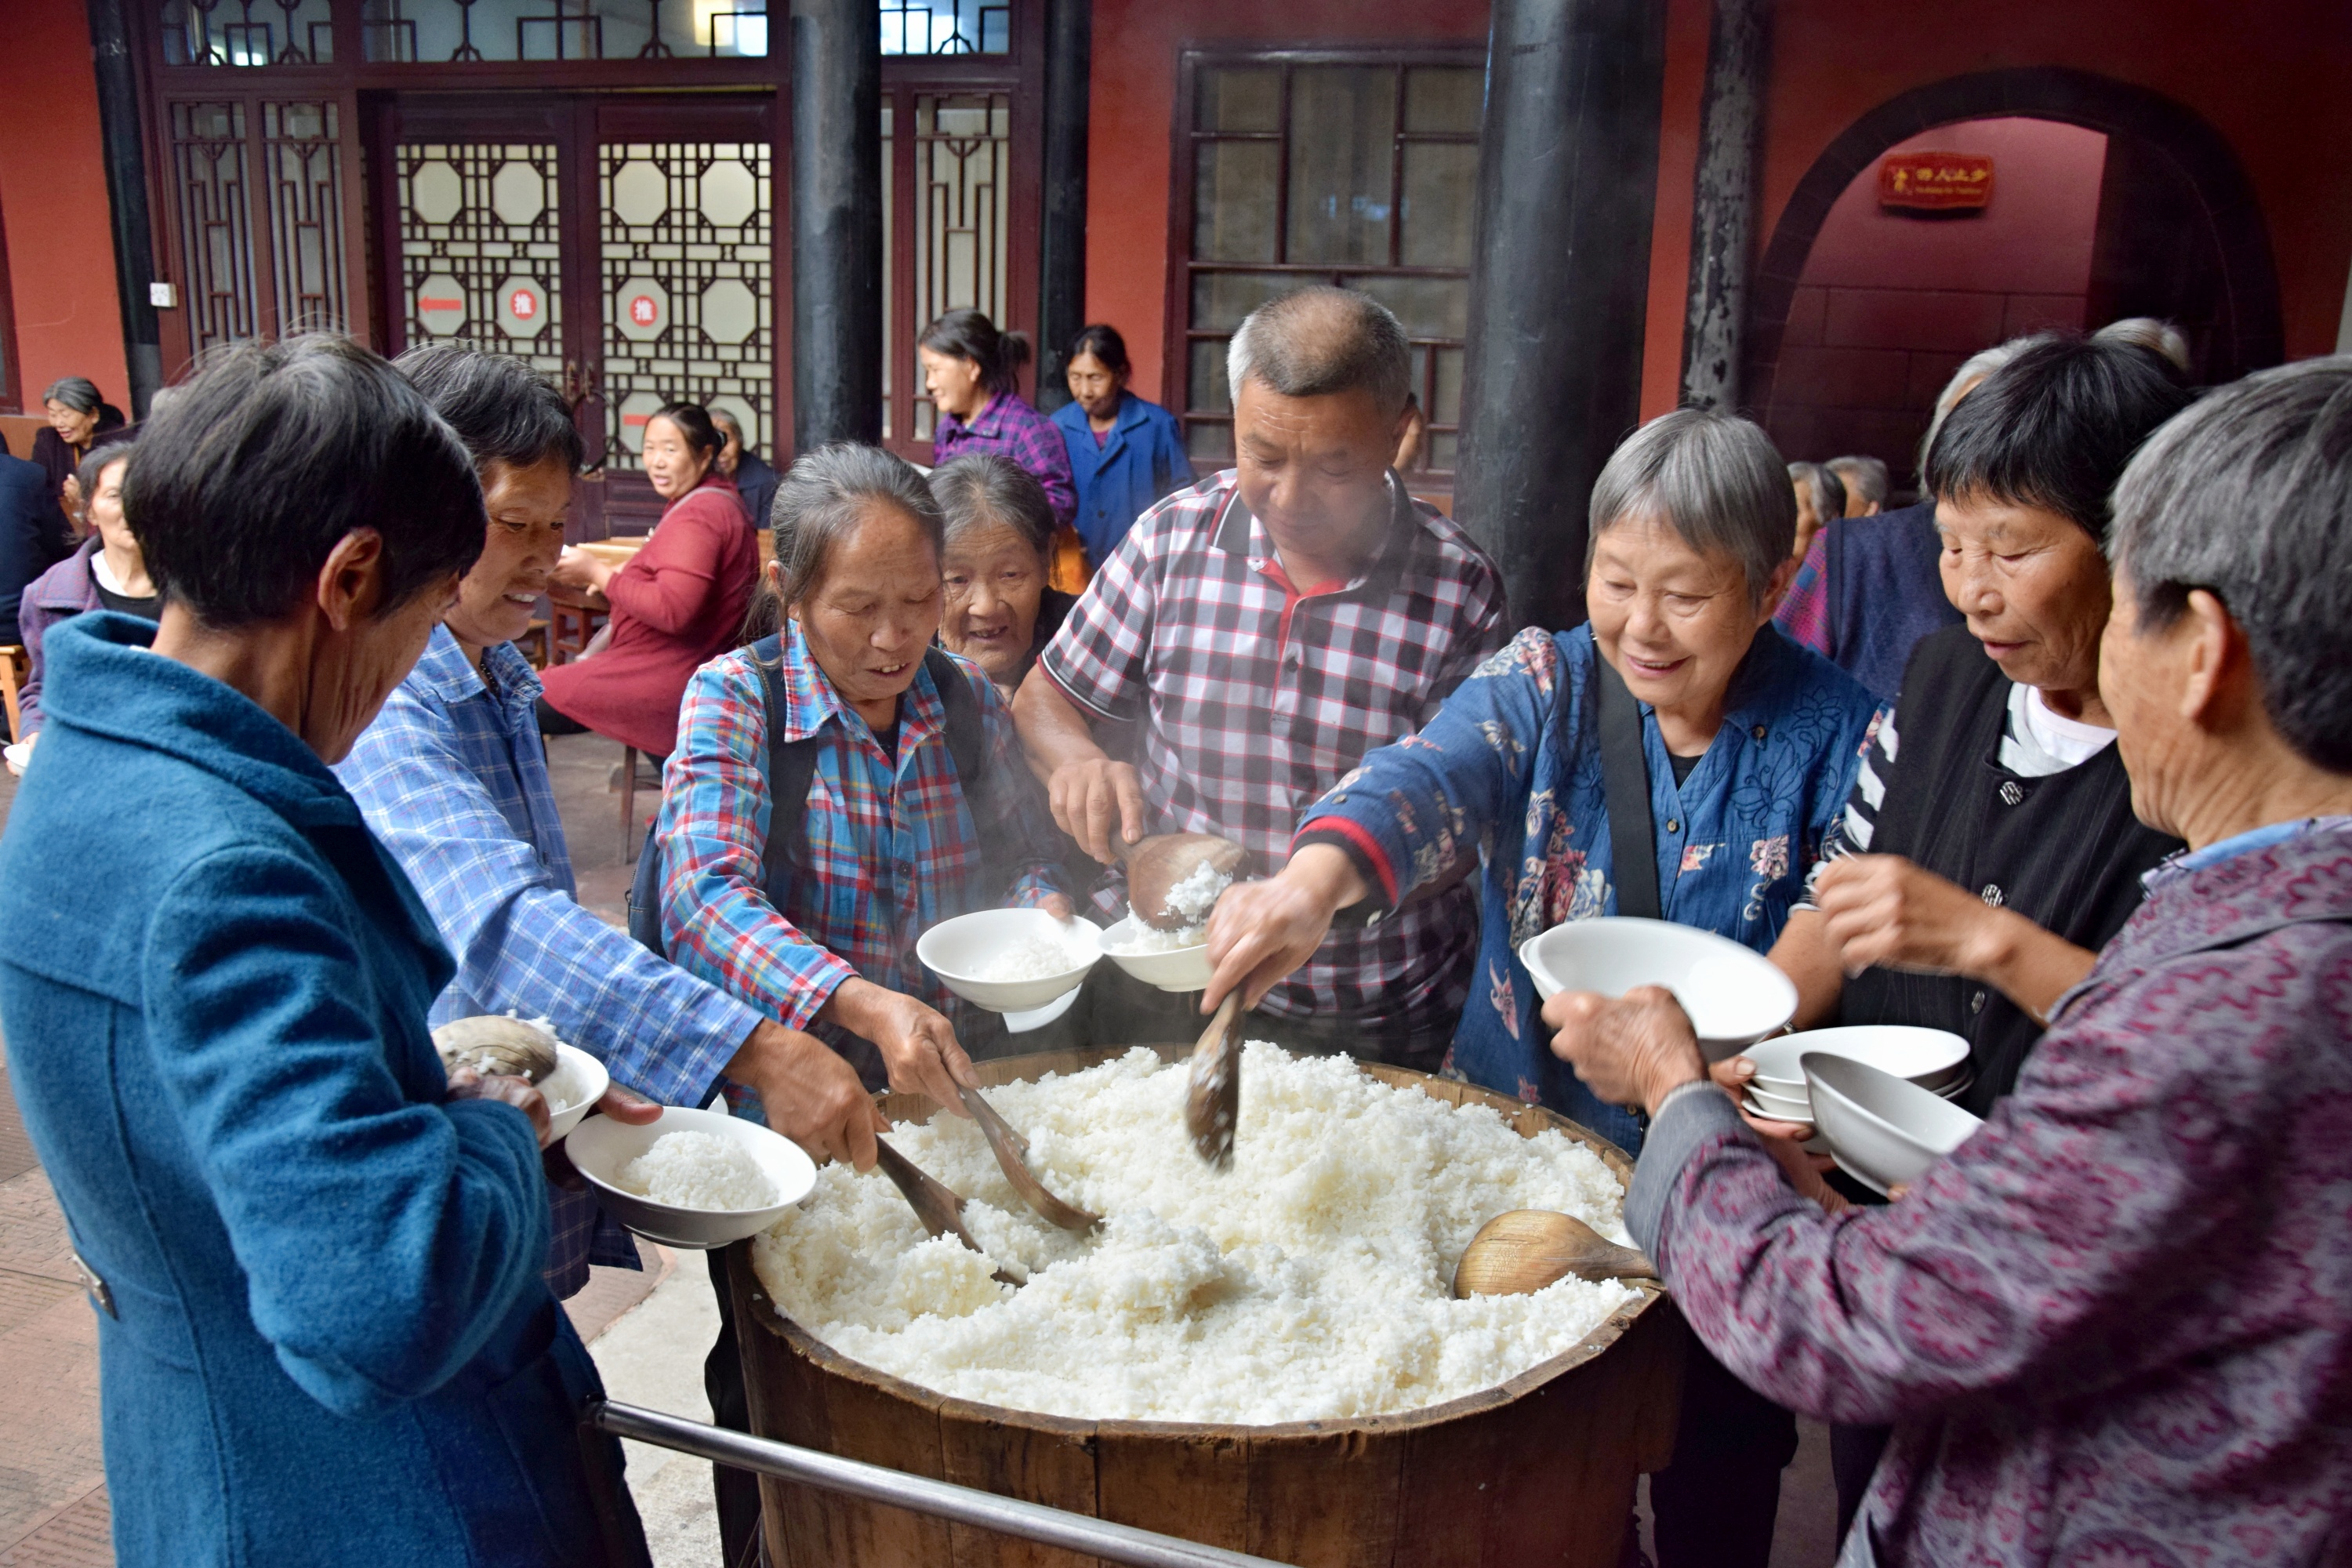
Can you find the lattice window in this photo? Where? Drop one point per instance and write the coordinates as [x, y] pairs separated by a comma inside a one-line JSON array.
[[963, 180], [298, 148], [688, 274], [246, 32], [946, 26], [433, 31], [208, 161], [480, 258], [1359, 173]]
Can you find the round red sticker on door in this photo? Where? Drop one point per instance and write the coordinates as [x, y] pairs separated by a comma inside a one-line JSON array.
[[522, 307], [644, 311], [641, 309]]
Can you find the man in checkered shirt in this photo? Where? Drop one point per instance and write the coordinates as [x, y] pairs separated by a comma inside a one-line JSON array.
[[1250, 640]]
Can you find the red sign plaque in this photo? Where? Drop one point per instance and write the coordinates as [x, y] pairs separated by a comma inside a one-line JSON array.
[[1934, 182]]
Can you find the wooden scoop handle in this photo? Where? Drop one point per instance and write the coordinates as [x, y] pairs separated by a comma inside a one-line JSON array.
[[936, 1205], [1213, 1095], [1010, 1148]]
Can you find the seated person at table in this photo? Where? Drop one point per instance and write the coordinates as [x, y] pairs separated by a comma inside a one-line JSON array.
[[453, 777], [755, 482], [1000, 540], [2109, 1327], [1246, 644], [678, 602], [908, 803], [106, 572]]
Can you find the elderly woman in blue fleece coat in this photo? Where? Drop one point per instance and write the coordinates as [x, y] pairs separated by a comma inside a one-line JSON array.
[[315, 1258]]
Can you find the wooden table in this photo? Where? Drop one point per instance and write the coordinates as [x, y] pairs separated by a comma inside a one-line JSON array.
[[573, 616]]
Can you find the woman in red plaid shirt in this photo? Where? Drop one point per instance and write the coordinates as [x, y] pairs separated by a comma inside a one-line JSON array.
[[815, 925]]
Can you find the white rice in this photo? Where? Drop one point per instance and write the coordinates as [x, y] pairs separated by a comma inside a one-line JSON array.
[[1140, 937], [1036, 958], [1197, 894], [698, 1171], [1312, 1280]]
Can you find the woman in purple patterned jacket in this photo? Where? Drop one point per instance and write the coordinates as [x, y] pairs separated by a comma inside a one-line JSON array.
[[973, 374], [2115, 1325]]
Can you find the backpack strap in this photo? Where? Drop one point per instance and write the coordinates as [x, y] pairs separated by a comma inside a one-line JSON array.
[[967, 732], [1625, 774]]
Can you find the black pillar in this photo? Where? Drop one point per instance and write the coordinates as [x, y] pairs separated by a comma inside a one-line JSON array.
[[126, 196], [836, 222], [1568, 175], [1061, 243], [1723, 207]]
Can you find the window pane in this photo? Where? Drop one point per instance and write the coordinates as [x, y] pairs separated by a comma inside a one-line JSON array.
[[1205, 385], [1238, 101], [1444, 99], [1210, 445], [1429, 306], [1446, 408], [1441, 192], [1443, 453], [1232, 201], [1220, 300], [1342, 147]]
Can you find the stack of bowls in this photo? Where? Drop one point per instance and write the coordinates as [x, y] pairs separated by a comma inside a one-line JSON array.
[[1933, 1059], [1882, 1131]]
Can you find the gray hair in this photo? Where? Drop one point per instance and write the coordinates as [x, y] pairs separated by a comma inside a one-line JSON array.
[[1978, 367], [983, 488], [2247, 495], [1715, 478], [77, 392], [1863, 477], [1828, 490], [1315, 342], [2160, 338], [826, 494]]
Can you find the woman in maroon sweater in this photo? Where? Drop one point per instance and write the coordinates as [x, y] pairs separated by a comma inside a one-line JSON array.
[[677, 604]]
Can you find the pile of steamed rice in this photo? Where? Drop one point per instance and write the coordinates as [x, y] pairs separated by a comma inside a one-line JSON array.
[[1312, 1280], [1036, 958], [698, 1171]]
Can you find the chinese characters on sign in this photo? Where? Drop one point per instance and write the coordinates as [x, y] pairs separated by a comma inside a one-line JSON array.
[[1934, 182]]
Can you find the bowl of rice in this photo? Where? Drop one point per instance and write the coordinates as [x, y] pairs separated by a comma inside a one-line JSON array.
[[1010, 961], [578, 1082], [1171, 960], [693, 1178]]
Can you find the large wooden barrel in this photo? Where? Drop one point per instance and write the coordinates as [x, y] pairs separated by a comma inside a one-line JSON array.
[[1539, 1469]]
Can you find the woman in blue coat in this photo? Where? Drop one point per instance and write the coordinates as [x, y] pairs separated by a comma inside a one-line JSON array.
[[1125, 453], [314, 1257]]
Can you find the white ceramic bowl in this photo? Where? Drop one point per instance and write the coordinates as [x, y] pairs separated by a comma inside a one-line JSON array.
[[1882, 1130], [1174, 969], [600, 1146], [957, 951], [1928, 1057], [1779, 1107], [1735, 998], [578, 1082]]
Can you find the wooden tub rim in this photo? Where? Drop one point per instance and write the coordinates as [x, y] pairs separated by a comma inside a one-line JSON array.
[[1602, 1336]]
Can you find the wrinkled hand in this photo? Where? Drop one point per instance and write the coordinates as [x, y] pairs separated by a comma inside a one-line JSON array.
[[1094, 800], [1881, 911], [809, 1094], [1259, 933], [917, 1042], [519, 1092], [1732, 1075], [1059, 906], [1634, 1049], [621, 1105]]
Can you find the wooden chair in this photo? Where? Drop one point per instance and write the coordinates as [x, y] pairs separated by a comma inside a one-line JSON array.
[[632, 836], [536, 645], [15, 668]]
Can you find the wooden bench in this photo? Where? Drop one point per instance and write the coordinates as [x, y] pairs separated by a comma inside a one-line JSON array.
[[15, 668]]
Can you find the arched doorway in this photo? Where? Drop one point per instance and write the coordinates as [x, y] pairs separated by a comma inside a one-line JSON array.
[[2126, 204]]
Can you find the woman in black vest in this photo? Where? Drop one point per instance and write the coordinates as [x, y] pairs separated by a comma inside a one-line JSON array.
[[1989, 850]]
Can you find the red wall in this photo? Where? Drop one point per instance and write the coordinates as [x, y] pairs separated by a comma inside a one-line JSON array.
[[1891, 302], [2267, 74], [1136, 46], [53, 206]]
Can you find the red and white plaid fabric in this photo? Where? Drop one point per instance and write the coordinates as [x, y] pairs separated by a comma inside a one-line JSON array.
[[1254, 696]]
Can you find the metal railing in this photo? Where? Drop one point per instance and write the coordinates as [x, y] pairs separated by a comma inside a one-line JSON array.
[[1077, 1532]]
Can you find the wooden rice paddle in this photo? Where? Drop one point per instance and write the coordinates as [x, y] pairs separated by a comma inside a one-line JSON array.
[[1157, 863], [1010, 1150], [936, 1205], [1212, 1096], [1520, 1252]]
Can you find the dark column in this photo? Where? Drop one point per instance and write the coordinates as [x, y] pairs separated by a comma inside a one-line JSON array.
[[1568, 175], [1062, 245], [126, 194], [1723, 211], [836, 222]]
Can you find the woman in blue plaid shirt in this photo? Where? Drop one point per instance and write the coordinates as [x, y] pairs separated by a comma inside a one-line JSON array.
[[890, 836]]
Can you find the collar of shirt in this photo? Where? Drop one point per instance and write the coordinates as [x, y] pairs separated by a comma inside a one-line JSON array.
[[444, 668], [1240, 532], [810, 701], [988, 422], [1758, 692]]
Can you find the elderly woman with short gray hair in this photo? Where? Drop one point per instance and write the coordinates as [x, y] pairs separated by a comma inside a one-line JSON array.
[[1001, 609], [1742, 747], [2109, 1327]]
